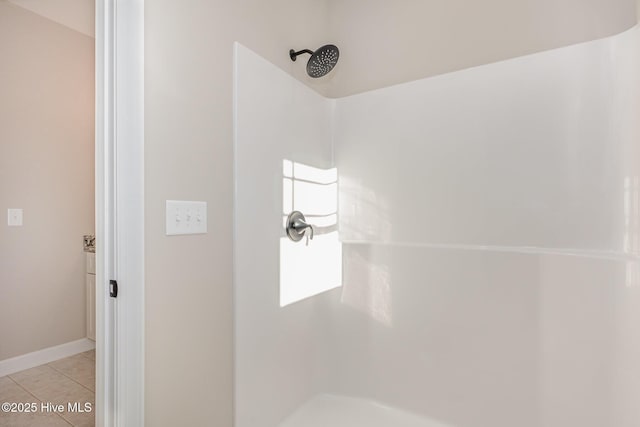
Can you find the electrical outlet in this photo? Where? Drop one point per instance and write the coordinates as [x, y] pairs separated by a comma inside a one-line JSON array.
[[183, 217]]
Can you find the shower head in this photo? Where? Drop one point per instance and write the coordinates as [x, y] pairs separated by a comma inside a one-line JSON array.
[[322, 60]]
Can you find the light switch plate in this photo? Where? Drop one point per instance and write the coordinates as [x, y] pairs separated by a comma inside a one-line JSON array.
[[14, 217], [183, 217]]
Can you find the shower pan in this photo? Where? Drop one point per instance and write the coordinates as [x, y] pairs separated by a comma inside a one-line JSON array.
[[475, 259]]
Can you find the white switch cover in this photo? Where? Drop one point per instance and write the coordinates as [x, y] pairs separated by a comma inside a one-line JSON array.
[[186, 217], [14, 217]]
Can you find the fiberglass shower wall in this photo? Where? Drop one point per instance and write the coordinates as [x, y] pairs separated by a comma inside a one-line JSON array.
[[491, 242], [282, 128]]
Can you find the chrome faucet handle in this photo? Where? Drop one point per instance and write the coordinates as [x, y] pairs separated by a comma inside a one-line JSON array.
[[312, 230], [297, 227], [300, 225], [306, 229]]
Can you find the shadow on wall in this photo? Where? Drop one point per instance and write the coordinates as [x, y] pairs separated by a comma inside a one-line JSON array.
[[364, 217], [632, 228], [364, 214], [367, 286]]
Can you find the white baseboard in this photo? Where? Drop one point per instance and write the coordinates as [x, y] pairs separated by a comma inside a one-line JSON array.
[[46, 355]]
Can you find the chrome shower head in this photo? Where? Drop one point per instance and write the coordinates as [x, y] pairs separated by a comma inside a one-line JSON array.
[[322, 60]]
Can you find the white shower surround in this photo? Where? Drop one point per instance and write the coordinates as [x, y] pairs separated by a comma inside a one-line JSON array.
[[327, 410], [491, 227]]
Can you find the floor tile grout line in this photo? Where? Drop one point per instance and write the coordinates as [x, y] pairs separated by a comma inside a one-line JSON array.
[[24, 388], [38, 399], [65, 420], [84, 353], [67, 376], [72, 379], [48, 365]]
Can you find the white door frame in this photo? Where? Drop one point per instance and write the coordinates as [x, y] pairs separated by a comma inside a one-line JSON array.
[[120, 212]]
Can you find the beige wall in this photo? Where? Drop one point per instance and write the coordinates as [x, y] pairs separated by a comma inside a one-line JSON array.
[[189, 140], [46, 168], [76, 14], [388, 42], [188, 156]]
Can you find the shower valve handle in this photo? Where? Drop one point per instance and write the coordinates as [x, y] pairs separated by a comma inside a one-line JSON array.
[[301, 226], [297, 227]]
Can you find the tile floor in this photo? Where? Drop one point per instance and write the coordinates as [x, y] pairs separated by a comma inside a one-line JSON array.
[[66, 380]]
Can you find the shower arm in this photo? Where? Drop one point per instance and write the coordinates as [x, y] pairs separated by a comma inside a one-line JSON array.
[[294, 55]]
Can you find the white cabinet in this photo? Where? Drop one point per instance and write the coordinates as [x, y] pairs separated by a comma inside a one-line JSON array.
[[90, 280], [91, 263]]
